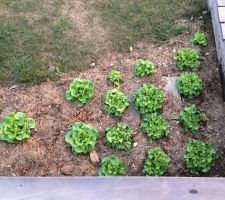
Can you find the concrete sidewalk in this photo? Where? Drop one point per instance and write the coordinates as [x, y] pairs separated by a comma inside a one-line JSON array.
[[217, 8], [103, 188]]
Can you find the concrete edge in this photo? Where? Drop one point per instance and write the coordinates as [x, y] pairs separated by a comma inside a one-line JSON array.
[[220, 43], [111, 188]]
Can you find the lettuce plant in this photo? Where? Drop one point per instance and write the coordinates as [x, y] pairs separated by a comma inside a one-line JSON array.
[[119, 136], [200, 38], [148, 99], [115, 102], [199, 156], [115, 77], [155, 126], [156, 163], [191, 118], [188, 58], [82, 137], [80, 90], [16, 126], [189, 84], [144, 68], [112, 166]]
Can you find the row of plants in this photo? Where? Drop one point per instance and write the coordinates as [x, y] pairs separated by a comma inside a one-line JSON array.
[[199, 156], [82, 138], [148, 100]]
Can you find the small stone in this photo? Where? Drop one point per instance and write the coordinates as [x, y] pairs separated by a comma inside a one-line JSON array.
[[135, 144], [93, 64], [171, 86], [94, 157], [14, 87], [66, 170], [133, 166], [131, 49]]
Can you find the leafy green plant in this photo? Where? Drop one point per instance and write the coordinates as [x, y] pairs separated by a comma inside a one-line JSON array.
[[144, 68], [115, 102], [80, 90], [155, 126], [16, 126], [115, 77], [188, 58], [156, 163], [200, 38], [82, 137], [148, 99], [119, 136], [112, 166], [189, 84], [191, 118], [199, 156]]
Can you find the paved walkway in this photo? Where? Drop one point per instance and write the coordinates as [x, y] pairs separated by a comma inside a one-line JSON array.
[[217, 9], [221, 11], [103, 188]]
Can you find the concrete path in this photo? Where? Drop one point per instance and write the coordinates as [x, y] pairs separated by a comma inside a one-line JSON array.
[[217, 8], [121, 188]]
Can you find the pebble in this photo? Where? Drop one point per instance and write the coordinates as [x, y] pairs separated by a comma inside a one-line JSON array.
[[66, 170], [135, 144], [131, 49], [14, 87], [93, 64], [94, 157]]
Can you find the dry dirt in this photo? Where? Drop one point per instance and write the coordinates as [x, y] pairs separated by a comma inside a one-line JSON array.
[[45, 153], [88, 23]]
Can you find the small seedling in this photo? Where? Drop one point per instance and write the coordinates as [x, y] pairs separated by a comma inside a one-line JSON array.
[[119, 136], [156, 163], [188, 58], [115, 102], [191, 118], [144, 68], [200, 38], [80, 90], [15, 127], [148, 99], [112, 166], [189, 84], [82, 137], [155, 126], [115, 77], [199, 156]]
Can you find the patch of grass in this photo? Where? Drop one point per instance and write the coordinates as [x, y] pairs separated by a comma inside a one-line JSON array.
[[194, 8], [168, 30], [18, 6], [36, 46], [154, 20]]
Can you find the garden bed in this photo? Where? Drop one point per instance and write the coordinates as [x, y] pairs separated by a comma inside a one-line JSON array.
[[46, 153]]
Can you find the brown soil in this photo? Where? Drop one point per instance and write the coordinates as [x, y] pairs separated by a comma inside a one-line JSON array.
[[45, 153]]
